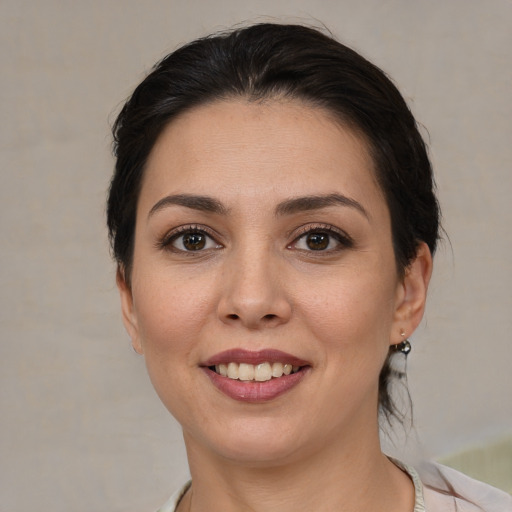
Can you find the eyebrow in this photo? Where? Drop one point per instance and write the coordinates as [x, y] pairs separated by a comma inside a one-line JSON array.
[[317, 202], [195, 202], [289, 207]]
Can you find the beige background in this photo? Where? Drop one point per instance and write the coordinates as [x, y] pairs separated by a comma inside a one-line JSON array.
[[81, 429]]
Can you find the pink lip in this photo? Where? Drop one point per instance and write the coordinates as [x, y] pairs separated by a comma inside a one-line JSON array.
[[252, 391], [239, 355], [256, 392]]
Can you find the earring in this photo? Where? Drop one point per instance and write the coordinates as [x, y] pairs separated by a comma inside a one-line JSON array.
[[404, 347]]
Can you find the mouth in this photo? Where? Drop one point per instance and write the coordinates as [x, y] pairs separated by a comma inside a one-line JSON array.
[[255, 376]]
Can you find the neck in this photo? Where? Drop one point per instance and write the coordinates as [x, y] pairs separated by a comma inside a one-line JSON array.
[[348, 476]]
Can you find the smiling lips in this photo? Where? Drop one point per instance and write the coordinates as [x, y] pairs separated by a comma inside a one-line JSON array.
[[255, 376]]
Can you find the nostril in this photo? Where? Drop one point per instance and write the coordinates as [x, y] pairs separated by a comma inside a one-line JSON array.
[[268, 317]]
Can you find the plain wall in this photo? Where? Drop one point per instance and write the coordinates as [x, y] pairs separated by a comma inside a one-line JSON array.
[[81, 428]]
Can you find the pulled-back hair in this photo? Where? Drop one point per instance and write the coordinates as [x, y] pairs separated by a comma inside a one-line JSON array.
[[268, 61]]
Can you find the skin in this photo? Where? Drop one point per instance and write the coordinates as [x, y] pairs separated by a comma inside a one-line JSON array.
[[257, 285]]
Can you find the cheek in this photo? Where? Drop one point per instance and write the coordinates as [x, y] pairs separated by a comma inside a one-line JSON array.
[[171, 316], [168, 326], [351, 325], [352, 312]]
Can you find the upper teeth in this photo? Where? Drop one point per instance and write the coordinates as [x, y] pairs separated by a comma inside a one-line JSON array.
[[258, 372]]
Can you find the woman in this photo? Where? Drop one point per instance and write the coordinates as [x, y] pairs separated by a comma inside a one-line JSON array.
[[273, 219]]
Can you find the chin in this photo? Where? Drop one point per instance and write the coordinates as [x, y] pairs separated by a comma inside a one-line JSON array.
[[255, 441]]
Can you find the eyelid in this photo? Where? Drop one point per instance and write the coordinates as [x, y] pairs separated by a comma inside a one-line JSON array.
[[343, 238], [165, 242]]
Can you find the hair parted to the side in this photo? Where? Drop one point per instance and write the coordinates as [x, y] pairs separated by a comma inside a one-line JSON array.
[[267, 61]]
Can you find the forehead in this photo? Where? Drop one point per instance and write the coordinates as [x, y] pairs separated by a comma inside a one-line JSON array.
[[237, 148]]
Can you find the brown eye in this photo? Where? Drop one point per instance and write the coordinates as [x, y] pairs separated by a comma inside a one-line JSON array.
[[317, 241], [194, 241], [191, 241], [322, 239]]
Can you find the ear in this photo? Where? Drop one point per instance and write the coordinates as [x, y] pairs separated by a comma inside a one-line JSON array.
[[128, 313], [412, 295]]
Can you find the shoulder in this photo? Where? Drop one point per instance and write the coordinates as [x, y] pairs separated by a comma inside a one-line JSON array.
[[446, 489]]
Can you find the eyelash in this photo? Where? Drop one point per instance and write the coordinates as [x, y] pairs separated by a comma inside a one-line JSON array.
[[342, 238], [168, 240]]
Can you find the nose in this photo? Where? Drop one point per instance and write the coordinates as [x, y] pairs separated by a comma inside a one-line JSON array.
[[253, 292]]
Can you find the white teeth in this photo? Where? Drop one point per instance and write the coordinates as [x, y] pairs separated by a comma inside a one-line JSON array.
[[233, 370], [263, 372], [245, 371], [259, 373], [277, 369]]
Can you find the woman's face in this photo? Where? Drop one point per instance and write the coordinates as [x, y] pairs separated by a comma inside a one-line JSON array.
[[263, 245]]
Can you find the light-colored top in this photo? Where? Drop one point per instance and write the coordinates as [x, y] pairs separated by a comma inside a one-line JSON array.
[[437, 488]]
